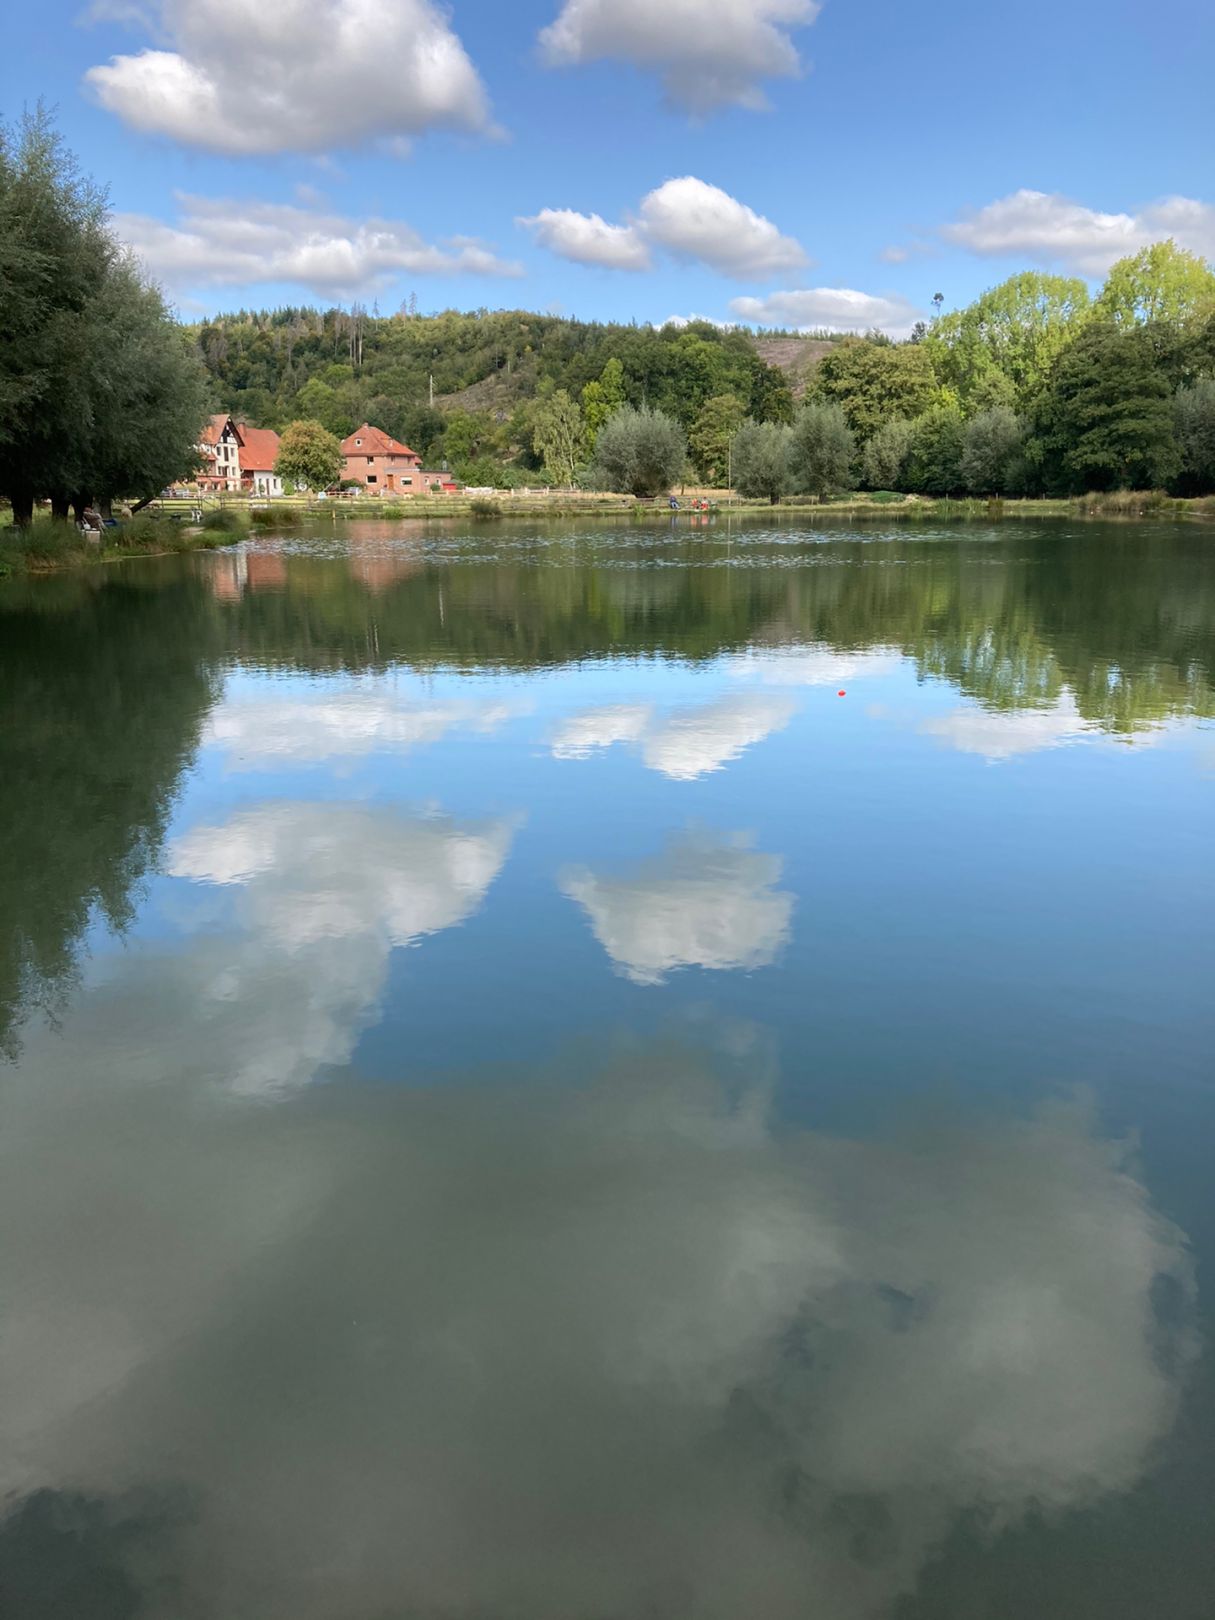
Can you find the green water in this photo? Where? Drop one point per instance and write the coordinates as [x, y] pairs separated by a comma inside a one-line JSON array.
[[657, 1072]]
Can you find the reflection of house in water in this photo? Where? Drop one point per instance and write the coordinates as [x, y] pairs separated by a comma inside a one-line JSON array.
[[266, 570], [380, 560], [229, 573]]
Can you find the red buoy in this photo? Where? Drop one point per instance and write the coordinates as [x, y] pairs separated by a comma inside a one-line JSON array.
[[841, 694]]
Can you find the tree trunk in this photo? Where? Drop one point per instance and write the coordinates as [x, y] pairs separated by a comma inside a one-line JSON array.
[[23, 507], [79, 502], [60, 508], [138, 506], [773, 499], [106, 507]]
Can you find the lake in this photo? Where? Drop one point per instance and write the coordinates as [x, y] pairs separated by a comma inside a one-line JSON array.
[[613, 1072]]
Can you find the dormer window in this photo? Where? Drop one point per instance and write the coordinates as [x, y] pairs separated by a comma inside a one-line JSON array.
[[357, 443]]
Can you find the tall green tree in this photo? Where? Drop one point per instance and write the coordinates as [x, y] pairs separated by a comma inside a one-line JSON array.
[[1194, 415], [992, 446], [934, 456], [1162, 282], [54, 259], [150, 395], [309, 455], [1106, 419], [558, 435], [761, 461], [643, 452], [1017, 330], [873, 381], [821, 449], [716, 423], [885, 455], [600, 398]]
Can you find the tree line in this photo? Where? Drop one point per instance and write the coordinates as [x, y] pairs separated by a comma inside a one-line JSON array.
[[1035, 389], [102, 392]]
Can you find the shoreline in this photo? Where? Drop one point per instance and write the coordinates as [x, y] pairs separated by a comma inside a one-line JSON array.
[[257, 518]]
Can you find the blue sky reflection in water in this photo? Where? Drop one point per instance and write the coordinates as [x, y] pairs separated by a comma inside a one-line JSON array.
[[570, 1116]]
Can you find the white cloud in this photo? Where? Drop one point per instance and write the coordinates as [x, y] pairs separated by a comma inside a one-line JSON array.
[[1052, 229], [687, 217], [588, 239], [701, 903], [698, 221], [711, 53], [336, 724], [292, 77], [684, 744], [220, 242], [830, 309]]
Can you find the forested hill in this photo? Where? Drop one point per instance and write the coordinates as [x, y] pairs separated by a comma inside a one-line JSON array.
[[342, 368]]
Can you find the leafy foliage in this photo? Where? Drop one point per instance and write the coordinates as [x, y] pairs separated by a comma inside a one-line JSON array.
[[642, 452], [761, 461], [309, 455], [821, 448], [100, 396]]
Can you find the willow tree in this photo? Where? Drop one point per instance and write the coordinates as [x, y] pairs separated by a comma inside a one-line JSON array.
[[100, 394]]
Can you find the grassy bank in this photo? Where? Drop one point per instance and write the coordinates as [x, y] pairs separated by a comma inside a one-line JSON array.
[[49, 545]]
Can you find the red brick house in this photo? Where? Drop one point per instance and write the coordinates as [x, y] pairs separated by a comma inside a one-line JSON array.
[[384, 466]]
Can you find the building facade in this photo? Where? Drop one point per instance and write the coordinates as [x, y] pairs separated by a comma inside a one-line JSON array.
[[384, 466], [258, 453], [219, 449]]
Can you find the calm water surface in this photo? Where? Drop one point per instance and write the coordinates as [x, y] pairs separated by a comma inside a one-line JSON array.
[[613, 1074]]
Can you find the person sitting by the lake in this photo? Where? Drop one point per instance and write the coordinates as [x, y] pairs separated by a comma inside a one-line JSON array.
[[674, 504], [90, 521]]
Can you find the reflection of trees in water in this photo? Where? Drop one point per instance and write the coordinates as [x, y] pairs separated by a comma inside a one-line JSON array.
[[1123, 618], [103, 688]]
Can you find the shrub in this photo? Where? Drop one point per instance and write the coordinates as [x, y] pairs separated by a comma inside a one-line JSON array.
[[226, 520], [482, 508], [47, 540]]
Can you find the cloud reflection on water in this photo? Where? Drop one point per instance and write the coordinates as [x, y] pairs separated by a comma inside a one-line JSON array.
[[703, 902], [608, 1348], [682, 744]]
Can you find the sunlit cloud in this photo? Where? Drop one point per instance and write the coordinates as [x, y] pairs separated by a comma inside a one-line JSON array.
[[687, 218], [222, 242], [338, 73], [710, 53], [1050, 229]]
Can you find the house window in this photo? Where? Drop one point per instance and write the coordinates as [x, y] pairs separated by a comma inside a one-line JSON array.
[[358, 444], [372, 479], [407, 480], [370, 459]]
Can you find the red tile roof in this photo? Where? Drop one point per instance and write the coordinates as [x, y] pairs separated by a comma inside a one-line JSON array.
[[214, 429], [375, 442], [258, 448]]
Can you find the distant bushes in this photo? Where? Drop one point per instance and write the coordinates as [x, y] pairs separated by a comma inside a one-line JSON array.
[[226, 520], [482, 508]]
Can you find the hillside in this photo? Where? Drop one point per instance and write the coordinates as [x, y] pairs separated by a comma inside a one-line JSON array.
[[457, 383]]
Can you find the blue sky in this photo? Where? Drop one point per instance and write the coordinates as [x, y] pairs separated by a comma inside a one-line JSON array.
[[753, 159]]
